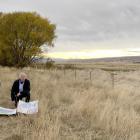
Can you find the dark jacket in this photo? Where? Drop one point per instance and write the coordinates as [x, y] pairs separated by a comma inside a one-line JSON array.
[[15, 88]]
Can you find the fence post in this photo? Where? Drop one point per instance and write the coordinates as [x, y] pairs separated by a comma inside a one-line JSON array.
[[64, 71], [75, 74], [90, 75], [113, 79]]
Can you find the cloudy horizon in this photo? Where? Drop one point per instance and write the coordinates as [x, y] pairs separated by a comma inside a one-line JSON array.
[[88, 28]]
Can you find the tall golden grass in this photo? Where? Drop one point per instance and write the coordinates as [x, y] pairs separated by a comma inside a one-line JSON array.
[[72, 109]]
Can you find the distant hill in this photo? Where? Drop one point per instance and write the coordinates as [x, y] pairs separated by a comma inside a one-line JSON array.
[[132, 59]]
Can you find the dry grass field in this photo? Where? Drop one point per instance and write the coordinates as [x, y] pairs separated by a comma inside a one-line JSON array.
[[74, 109]]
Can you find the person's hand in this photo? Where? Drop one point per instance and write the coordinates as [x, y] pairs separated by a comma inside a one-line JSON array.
[[18, 94]]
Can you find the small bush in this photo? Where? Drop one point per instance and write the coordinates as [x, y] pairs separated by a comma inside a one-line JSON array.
[[69, 66], [49, 64]]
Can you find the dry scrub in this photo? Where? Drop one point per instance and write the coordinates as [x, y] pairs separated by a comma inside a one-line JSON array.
[[72, 109]]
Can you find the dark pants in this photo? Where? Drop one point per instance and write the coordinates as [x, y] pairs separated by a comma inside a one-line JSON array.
[[22, 95]]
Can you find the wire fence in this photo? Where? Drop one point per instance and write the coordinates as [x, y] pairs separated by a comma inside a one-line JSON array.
[[90, 75]]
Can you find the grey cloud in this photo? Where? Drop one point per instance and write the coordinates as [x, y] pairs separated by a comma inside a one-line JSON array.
[[104, 23]]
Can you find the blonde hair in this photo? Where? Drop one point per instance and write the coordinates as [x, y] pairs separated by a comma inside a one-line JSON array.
[[22, 74]]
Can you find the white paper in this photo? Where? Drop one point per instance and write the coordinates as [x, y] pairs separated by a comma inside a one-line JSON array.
[[7, 111], [27, 108]]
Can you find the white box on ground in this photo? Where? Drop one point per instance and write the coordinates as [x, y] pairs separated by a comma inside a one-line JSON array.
[[27, 108], [6, 111]]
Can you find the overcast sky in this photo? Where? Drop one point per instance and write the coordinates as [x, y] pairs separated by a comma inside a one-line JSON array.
[[95, 28]]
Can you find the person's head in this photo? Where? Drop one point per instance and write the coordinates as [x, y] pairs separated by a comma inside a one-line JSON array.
[[22, 76]]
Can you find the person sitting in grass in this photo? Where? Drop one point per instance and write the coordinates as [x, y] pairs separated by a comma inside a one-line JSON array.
[[20, 89]]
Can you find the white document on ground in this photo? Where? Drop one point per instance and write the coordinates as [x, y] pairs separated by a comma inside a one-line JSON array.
[[6, 111], [27, 107]]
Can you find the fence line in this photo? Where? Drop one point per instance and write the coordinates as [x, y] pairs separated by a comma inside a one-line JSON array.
[[112, 74]]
